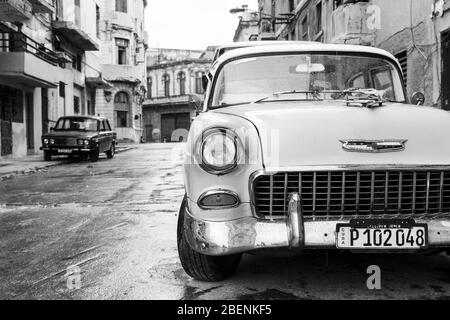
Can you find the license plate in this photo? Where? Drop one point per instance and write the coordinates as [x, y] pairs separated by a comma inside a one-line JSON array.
[[382, 234], [64, 151]]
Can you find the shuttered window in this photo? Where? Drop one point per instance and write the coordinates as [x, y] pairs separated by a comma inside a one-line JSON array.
[[403, 59]]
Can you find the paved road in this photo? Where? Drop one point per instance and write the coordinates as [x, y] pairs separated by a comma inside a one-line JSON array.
[[116, 221]]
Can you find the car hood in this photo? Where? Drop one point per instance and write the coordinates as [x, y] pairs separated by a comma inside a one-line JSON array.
[[310, 133], [69, 134]]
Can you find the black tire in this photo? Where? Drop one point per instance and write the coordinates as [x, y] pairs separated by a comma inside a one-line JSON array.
[[95, 155], [111, 152], [199, 266], [47, 156]]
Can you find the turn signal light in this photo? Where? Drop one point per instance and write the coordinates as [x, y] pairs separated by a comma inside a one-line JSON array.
[[218, 200]]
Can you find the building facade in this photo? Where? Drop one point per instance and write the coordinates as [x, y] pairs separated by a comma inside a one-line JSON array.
[[124, 43], [417, 32], [174, 82], [46, 47], [69, 57]]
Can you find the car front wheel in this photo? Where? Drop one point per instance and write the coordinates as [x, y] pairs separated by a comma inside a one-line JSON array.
[[47, 156], [95, 155], [111, 152], [199, 266]]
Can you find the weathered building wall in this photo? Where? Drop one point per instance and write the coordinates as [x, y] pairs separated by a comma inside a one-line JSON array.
[[401, 26]]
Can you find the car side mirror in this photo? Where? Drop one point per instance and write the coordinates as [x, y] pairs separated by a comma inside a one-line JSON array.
[[418, 99], [205, 82]]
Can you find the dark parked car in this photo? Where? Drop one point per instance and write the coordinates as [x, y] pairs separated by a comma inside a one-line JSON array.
[[84, 136]]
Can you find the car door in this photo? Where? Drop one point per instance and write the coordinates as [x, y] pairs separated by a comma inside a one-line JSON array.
[[112, 134], [103, 137]]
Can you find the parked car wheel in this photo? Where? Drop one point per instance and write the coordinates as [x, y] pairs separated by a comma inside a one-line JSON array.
[[47, 156], [111, 152], [95, 155], [199, 266]]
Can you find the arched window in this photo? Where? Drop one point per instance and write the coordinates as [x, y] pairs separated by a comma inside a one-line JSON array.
[[166, 83], [182, 82], [149, 87], [121, 97], [199, 83]]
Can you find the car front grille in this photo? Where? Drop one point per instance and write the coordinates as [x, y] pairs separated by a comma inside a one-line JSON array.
[[66, 141], [331, 194]]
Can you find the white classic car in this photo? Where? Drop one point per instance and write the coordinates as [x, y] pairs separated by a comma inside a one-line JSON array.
[[311, 146]]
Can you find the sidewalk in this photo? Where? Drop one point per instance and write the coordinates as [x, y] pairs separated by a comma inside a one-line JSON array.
[[34, 163]]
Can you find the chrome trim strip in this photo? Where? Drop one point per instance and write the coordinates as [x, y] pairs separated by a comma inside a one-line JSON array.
[[314, 192], [441, 192], [218, 191], [372, 192], [271, 196], [400, 192], [414, 193], [427, 203], [386, 194], [358, 184], [343, 195]]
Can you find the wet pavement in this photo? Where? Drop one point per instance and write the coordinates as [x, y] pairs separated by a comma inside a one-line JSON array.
[[114, 222]]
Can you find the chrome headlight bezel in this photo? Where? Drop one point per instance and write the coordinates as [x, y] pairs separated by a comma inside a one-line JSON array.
[[205, 138]]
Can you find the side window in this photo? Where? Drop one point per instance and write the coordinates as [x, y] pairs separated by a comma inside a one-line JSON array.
[[108, 127], [357, 81], [102, 125], [382, 80]]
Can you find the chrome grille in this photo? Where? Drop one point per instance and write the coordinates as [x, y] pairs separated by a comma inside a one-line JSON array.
[[355, 193]]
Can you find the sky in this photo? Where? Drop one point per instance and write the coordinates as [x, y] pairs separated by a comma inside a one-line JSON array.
[[192, 24]]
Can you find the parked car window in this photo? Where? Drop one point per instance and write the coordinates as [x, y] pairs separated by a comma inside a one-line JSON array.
[[108, 126], [102, 126], [249, 79], [76, 124]]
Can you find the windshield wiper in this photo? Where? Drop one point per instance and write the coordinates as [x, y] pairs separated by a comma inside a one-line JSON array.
[[315, 95]]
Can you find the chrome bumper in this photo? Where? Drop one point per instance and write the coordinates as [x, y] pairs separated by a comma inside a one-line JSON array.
[[248, 234]]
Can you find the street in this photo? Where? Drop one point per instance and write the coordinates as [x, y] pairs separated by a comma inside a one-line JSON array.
[[115, 220]]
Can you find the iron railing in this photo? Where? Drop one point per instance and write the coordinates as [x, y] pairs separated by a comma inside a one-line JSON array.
[[19, 42]]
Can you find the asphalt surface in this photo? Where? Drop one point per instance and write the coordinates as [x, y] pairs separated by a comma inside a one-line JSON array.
[[115, 221]]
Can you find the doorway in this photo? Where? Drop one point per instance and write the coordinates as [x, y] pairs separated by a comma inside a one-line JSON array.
[[173, 121], [445, 89], [6, 115], [29, 122]]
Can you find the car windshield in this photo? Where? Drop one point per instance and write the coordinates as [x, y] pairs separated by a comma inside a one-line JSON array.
[[305, 77], [77, 124]]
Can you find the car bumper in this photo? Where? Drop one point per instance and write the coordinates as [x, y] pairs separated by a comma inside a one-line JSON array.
[[67, 150], [248, 234]]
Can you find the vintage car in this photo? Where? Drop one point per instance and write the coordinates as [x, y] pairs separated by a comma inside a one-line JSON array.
[[312, 146], [83, 136]]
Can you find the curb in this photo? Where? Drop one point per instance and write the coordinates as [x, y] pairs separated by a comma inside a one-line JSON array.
[[50, 165], [29, 171]]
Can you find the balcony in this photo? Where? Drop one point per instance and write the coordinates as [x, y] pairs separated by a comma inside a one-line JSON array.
[[15, 10], [24, 61], [349, 24], [43, 6], [124, 73], [73, 34]]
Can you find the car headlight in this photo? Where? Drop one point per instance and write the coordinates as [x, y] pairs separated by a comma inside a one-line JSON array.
[[46, 141], [87, 142], [80, 142], [219, 151], [52, 141]]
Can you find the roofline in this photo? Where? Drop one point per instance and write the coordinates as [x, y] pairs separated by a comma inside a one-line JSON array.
[[298, 47]]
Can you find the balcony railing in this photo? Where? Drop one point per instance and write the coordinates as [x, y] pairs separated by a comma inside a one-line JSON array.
[[19, 42]]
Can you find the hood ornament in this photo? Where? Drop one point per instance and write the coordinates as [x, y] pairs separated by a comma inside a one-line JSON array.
[[374, 146]]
